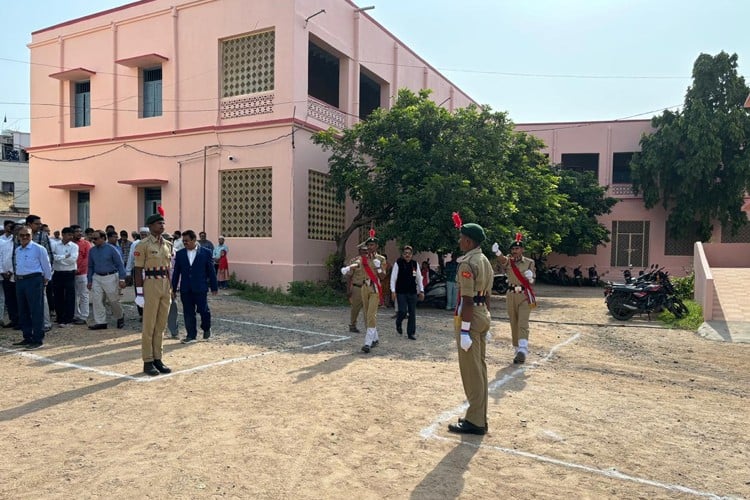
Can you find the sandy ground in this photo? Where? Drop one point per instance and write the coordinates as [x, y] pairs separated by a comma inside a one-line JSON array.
[[281, 403]]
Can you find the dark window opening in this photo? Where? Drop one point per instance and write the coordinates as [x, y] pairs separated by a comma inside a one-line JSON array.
[[9, 187], [322, 75], [581, 162], [369, 95], [82, 110], [621, 168]]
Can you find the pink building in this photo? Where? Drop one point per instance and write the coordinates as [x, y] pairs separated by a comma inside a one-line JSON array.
[[638, 236], [207, 108]]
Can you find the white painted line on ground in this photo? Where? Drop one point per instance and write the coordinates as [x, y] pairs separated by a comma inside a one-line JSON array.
[[430, 432], [282, 328], [51, 361]]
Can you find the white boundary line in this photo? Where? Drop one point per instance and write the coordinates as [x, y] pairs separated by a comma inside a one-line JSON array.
[[430, 432], [145, 378]]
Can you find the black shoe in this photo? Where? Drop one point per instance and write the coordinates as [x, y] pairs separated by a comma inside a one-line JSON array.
[[189, 340], [486, 426], [150, 369], [22, 342], [121, 323], [9, 325], [98, 326], [399, 330], [33, 345], [161, 366], [520, 358], [375, 342], [207, 335], [353, 329], [46, 329], [412, 337], [365, 349], [79, 322], [466, 427]]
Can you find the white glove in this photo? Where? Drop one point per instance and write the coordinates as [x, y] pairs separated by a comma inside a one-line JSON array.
[[377, 263], [529, 274], [465, 340], [496, 249], [488, 337], [139, 300], [344, 270]]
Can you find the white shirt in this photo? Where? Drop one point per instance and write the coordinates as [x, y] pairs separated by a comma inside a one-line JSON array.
[[65, 256], [6, 253], [191, 254]]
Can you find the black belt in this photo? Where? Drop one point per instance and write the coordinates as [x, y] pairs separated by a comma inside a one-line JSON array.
[[106, 274], [27, 276], [512, 289], [155, 273], [65, 272], [358, 286]]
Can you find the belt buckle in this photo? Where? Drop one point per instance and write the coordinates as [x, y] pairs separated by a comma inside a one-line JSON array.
[[518, 289]]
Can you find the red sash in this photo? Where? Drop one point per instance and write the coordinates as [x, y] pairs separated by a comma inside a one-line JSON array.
[[373, 278], [528, 291]]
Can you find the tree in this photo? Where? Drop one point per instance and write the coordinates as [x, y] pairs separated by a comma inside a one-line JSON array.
[[408, 168], [696, 162]]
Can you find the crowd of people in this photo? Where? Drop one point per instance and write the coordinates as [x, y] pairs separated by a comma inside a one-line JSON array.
[[61, 275]]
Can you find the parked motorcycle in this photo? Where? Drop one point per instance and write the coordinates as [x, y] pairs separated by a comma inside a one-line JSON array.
[[593, 276], [578, 276], [435, 293], [500, 283], [650, 292]]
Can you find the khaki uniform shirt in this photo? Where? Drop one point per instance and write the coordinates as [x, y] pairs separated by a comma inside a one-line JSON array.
[[523, 265], [379, 273], [475, 274], [153, 255], [358, 274]]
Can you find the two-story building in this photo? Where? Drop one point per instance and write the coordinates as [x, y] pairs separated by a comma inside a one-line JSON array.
[[206, 107], [14, 173]]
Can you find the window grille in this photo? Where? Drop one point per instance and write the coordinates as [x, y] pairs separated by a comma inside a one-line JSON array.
[[246, 203], [248, 64], [325, 215]]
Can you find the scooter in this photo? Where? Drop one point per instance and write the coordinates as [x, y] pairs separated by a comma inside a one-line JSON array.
[[500, 283], [435, 293]]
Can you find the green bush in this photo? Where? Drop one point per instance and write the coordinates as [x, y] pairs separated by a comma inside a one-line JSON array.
[[684, 287], [299, 293]]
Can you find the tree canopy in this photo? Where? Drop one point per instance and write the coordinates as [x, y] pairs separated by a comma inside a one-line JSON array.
[[696, 162], [408, 168]]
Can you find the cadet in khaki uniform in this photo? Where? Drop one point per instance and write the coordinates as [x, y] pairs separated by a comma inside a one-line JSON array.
[[153, 292], [356, 278], [474, 290], [372, 292], [517, 298]]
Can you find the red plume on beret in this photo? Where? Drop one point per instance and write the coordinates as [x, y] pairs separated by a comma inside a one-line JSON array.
[[457, 220], [518, 237], [160, 209], [372, 232]]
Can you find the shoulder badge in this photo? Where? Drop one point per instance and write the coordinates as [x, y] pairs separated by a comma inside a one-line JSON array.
[[466, 274]]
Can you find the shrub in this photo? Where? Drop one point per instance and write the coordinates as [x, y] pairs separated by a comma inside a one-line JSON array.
[[684, 287]]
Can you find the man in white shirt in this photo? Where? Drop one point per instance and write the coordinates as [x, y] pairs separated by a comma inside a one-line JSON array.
[[8, 300], [406, 287], [65, 266]]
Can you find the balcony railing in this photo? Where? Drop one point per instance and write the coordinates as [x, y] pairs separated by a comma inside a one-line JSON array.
[[326, 113], [246, 105]]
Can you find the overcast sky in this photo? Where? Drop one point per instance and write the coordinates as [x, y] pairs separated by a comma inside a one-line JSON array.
[[539, 60]]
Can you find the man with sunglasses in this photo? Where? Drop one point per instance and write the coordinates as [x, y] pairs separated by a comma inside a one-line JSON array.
[[32, 272]]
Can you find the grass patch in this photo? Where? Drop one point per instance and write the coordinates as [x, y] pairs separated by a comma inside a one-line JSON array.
[[692, 321], [298, 293]]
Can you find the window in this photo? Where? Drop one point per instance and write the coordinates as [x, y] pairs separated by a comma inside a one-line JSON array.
[[629, 243], [581, 162], [248, 64], [621, 168], [246, 203], [151, 92], [682, 246], [82, 103], [742, 236], [325, 215], [369, 95], [9, 187], [323, 75]]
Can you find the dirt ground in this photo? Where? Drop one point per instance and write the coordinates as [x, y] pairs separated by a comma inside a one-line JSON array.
[[281, 403]]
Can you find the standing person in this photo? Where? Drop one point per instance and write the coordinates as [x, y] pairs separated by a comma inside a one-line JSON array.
[[105, 275], [177, 241], [425, 271], [355, 274], [41, 237], [129, 268], [124, 243], [217, 252], [193, 273], [451, 286], [406, 287], [475, 288], [55, 239], [372, 293], [65, 265], [223, 275], [153, 292], [82, 290], [32, 273], [204, 243], [520, 298], [7, 247], [112, 240]]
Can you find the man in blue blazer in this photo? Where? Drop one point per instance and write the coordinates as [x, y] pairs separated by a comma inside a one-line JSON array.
[[193, 274]]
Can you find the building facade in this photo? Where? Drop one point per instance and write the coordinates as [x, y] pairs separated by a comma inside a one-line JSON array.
[[206, 107], [14, 173], [638, 236]]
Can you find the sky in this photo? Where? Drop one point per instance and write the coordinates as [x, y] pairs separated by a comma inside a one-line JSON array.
[[538, 60]]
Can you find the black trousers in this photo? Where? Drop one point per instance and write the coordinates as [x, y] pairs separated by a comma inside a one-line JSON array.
[[64, 284], [11, 301]]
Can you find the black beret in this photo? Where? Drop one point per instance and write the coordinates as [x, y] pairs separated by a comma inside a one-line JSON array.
[[154, 218]]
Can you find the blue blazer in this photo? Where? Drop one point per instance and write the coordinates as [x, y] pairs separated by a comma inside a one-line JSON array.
[[195, 278]]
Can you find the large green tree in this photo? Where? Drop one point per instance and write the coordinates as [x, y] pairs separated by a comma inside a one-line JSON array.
[[408, 168], [696, 163]]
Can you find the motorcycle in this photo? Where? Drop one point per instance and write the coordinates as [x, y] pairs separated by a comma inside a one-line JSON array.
[[435, 293], [650, 292], [578, 276], [500, 283], [593, 276]]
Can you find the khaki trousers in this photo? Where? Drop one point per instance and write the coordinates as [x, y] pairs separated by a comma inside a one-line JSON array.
[[158, 295], [101, 287], [370, 302], [356, 302], [473, 367], [518, 314]]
